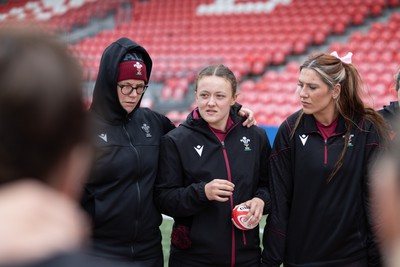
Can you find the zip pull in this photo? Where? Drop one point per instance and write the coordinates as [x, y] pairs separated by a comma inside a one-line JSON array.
[[223, 144]]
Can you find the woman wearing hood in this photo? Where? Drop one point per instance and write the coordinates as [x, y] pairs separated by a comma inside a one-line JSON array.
[[119, 193]]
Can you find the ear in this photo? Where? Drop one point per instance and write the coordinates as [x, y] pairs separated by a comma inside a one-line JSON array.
[[336, 91], [233, 101]]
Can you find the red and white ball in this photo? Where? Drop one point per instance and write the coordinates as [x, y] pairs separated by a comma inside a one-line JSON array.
[[238, 215]]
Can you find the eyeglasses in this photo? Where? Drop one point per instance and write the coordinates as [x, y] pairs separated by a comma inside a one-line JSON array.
[[127, 89]]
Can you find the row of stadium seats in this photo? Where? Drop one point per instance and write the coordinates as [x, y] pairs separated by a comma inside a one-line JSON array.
[[376, 55], [184, 36], [181, 42], [57, 15]]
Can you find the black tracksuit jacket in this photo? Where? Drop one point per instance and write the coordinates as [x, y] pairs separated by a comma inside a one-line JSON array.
[[391, 113], [119, 193], [312, 222], [191, 156]]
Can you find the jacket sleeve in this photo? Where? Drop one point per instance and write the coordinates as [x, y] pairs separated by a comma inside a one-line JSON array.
[[280, 181], [167, 124], [262, 190], [172, 195], [373, 149]]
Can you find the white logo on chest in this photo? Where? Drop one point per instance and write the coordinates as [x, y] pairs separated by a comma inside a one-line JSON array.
[[303, 139], [103, 136], [199, 149]]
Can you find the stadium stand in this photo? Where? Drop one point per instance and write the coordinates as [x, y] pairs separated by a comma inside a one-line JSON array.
[[262, 41]]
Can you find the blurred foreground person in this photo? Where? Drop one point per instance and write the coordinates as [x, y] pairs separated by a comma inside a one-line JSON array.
[[44, 153], [321, 207], [385, 189]]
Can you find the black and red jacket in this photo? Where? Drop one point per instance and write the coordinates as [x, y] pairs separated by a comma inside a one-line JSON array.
[[191, 156], [391, 113], [118, 195], [314, 222]]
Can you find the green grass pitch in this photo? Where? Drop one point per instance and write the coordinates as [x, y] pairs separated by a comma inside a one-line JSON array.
[[166, 235]]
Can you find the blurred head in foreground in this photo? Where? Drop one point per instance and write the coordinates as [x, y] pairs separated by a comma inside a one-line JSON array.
[[42, 118], [44, 154], [385, 188]]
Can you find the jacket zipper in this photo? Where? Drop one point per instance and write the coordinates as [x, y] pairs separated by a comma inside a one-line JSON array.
[[326, 148], [233, 259], [228, 169], [138, 193]]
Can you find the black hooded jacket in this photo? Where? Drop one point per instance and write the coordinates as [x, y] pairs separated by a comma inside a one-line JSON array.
[[391, 114], [191, 156], [119, 193]]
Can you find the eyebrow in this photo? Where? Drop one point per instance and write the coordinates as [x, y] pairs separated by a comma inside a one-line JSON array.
[[315, 84], [217, 92]]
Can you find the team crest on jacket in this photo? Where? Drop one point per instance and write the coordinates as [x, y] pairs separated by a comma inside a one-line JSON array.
[[246, 143], [146, 129], [349, 144]]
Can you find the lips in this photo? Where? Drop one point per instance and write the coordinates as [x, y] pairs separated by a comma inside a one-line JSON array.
[[211, 112]]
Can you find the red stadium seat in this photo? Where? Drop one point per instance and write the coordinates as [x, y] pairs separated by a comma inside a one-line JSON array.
[[182, 42]]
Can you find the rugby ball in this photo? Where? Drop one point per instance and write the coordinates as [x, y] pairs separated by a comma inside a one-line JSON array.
[[238, 214]]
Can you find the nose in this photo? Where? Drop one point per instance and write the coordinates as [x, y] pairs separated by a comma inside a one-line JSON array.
[[211, 101], [133, 93], [302, 92]]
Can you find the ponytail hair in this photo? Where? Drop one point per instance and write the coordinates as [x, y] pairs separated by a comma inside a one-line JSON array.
[[332, 70]]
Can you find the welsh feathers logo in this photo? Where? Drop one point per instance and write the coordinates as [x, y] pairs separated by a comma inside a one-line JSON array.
[[246, 143], [138, 67], [146, 129], [350, 142]]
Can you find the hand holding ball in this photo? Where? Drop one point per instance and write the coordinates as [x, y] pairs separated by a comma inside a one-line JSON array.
[[238, 215]]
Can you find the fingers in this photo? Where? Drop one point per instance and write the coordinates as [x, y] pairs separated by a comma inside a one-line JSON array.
[[219, 190], [250, 121], [256, 206]]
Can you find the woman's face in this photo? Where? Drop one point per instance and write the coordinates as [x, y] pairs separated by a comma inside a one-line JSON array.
[[214, 98], [129, 101], [316, 97]]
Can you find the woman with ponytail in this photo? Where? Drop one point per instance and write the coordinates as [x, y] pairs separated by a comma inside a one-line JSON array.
[[320, 214]]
